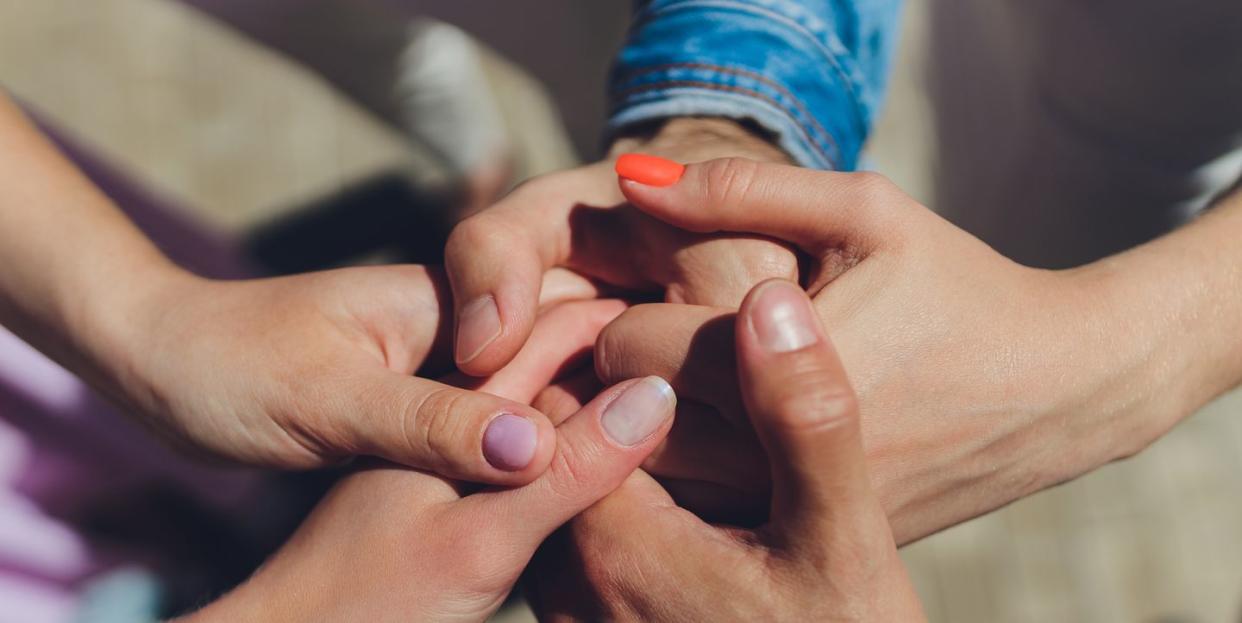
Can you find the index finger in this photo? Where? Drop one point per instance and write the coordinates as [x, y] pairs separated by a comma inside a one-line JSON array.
[[816, 210]]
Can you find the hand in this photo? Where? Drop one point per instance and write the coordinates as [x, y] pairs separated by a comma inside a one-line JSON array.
[[292, 372], [827, 552], [981, 381], [391, 544], [578, 219], [304, 371]]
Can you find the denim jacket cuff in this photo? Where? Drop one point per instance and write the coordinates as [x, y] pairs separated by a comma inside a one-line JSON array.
[[775, 62]]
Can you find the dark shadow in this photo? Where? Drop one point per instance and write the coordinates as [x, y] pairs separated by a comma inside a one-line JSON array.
[[214, 552], [385, 214], [712, 347]]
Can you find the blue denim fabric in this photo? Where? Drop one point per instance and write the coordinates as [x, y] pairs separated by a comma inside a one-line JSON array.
[[812, 72]]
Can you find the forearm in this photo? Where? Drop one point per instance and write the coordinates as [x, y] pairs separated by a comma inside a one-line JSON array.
[[1178, 302], [72, 265], [1194, 277], [694, 139]]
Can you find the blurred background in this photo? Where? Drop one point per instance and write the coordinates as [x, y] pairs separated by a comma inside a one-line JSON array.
[[268, 130]]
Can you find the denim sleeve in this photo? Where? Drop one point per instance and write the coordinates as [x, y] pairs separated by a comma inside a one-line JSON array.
[[812, 72]]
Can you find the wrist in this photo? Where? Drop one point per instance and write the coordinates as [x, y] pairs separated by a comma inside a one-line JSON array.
[[244, 603], [694, 139], [1160, 332], [116, 321]]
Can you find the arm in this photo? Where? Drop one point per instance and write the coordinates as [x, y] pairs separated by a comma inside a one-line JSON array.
[[982, 381], [292, 372], [74, 269], [1178, 300]]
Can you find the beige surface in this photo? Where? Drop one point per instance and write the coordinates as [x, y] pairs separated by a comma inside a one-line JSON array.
[[198, 113], [236, 133]]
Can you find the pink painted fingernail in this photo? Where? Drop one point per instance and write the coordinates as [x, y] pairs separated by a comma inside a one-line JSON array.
[[509, 442], [639, 411], [478, 325], [782, 318]]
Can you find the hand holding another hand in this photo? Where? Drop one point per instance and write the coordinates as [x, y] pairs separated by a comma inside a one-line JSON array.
[[394, 544], [826, 552], [579, 220], [309, 370], [980, 380]]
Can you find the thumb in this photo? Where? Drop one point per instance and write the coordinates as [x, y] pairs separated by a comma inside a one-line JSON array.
[[806, 415], [453, 432], [597, 449], [815, 210]]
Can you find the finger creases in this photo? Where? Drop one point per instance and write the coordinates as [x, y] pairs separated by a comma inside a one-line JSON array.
[[687, 344], [812, 209], [801, 403], [453, 432], [597, 448]]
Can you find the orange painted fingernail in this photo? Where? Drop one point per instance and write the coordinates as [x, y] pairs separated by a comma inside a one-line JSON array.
[[649, 170]]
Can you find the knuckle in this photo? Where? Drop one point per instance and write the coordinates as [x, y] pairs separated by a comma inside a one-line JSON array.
[[597, 566], [556, 403], [477, 569], [875, 187], [483, 231], [878, 206], [730, 181], [766, 259], [606, 560], [878, 196], [433, 426], [570, 474], [808, 402], [536, 186], [611, 346]]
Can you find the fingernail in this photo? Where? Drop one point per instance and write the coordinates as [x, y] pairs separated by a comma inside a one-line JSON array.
[[639, 411], [782, 318], [509, 442], [649, 170], [477, 326]]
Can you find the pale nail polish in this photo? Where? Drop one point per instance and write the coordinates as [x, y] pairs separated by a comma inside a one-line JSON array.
[[639, 411], [478, 325], [509, 442], [782, 319]]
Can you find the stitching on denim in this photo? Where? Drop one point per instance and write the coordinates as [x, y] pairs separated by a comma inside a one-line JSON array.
[[760, 109], [811, 140], [673, 84], [762, 12], [814, 150], [800, 106]]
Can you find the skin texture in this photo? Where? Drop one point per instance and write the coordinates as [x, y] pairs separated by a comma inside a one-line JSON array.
[[306, 370], [826, 554], [393, 544], [579, 220], [292, 372], [981, 381]]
